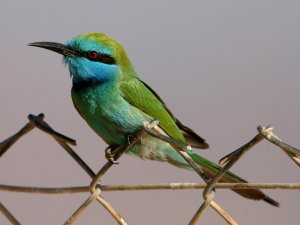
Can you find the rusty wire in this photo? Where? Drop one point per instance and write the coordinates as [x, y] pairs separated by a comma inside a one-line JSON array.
[[96, 188]]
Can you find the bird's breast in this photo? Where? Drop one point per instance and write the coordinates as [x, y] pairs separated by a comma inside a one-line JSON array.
[[107, 113]]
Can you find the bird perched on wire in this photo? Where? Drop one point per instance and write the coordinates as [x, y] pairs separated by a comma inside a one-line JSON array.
[[115, 102]]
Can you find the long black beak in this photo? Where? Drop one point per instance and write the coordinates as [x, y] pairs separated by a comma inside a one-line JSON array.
[[56, 47]]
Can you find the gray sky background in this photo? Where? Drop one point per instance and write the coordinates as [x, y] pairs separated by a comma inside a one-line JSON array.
[[223, 67]]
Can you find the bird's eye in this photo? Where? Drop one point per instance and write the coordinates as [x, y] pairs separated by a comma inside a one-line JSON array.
[[98, 57], [92, 55]]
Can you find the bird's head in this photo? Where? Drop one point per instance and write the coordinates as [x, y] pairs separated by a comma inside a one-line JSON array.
[[92, 57]]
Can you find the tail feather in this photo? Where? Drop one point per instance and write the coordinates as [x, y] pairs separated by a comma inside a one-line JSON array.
[[152, 149], [212, 169]]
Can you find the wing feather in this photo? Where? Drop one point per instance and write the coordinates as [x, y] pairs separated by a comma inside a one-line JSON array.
[[140, 95]]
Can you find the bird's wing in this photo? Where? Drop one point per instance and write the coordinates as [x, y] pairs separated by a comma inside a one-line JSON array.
[[192, 138], [140, 95]]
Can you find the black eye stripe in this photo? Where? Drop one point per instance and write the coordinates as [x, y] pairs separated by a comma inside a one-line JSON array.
[[98, 57], [94, 56]]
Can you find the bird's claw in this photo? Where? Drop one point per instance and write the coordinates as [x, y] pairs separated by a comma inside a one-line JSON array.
[[109, 155], [130, 139]]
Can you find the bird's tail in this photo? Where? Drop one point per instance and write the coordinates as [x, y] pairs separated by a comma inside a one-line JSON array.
[[153, 149], [212, 169]]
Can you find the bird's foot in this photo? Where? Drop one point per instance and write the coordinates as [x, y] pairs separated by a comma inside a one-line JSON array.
[[110, 155], [130, 139]]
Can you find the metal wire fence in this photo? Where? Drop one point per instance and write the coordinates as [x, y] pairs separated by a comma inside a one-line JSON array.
[[96, 188]]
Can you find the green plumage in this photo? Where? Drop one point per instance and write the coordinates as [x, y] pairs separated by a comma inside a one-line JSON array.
[[137, 94], [115, 103]]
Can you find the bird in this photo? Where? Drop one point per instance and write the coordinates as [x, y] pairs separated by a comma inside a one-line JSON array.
[[114, 101]]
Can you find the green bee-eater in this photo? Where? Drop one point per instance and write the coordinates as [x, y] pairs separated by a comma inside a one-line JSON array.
[[115, 102]]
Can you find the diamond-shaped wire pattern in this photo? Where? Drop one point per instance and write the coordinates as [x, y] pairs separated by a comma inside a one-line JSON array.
[[96, 188]]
